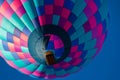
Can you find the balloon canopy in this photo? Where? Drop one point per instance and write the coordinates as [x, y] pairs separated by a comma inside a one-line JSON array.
[[66, 33]]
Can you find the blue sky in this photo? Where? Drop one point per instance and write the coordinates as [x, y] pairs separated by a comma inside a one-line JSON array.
[[106, 66]]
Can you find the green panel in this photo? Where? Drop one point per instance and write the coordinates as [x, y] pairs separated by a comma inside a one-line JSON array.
[[27, 22], [86, 62], [31, 67], [74, 1], [74, 69], [30, 10], [7, 25], [49, 71], [55, 19], [68, 59], [90, 53], [85, 37], [1, 46], [8, 55], [104, 10], [3, 34], [41, 68], [17, 22], [38, 3], [77, 34], [24, 49], [60, 73], [90, 44], [79, 6], [20, 63], [80, 21]]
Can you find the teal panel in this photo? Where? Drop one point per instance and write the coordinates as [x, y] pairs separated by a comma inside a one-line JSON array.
[[27, 22], [24, 49], [90, 44], [104, 10], [17, 22], [85, 37], [7, 26], [90, 53], [31, 67], [60, 73], [55, 19], [79, 6], [77, 34], [80, 21], [3, 34], [41, 68], [20, 63], [68, 59], [38, 3]]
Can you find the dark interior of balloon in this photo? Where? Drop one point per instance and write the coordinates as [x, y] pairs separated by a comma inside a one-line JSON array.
[[49, 41]]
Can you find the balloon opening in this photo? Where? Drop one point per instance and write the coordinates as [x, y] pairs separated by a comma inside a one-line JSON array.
[[52, 40]]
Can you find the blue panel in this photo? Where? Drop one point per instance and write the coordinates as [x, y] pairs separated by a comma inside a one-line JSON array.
[[81, 47], [10, 37], [35, 21], [83, 54], [26, 61], [40, 10], [70, 67], [83, 61], [72, 17], [68, 4], [15, 56], [26, 31], [71, 30], [98, 3], [50, 45], [98, 17], [58, 52], [104, 26], [57, 69], [75, 42], [9, 1], [5, 46], [48, 1], [1, 2], [17, 32]]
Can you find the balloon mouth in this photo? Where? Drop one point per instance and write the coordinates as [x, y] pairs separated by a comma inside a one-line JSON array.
[[38, 42]]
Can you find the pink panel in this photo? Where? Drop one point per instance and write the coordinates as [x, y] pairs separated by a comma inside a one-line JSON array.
[[56, 65], [58, 44], [15, 4], [74, 49], [31, 60], [92, 22], [10, 11], [42, 20], [65, 13], [25, 71], [11, 47], [67, 25], [77, 54], [66, 65], [20, 11], [18, 48], [59, 2], [38, 73], [76, 61], [48, 9], [12, 64]]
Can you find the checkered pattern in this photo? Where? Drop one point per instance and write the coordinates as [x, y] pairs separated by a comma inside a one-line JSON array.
[[85, 21]]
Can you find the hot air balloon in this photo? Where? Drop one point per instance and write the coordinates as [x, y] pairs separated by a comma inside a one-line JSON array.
[[51, 38]]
